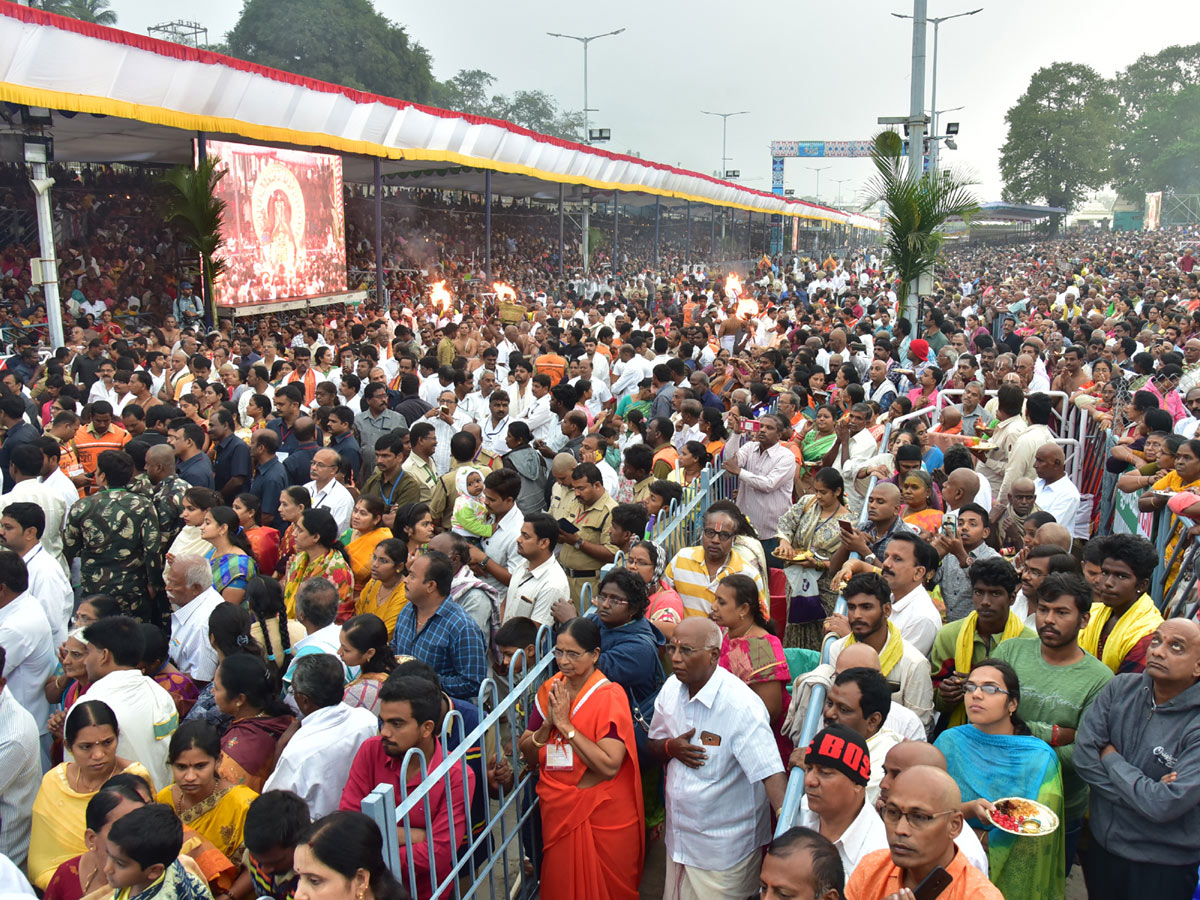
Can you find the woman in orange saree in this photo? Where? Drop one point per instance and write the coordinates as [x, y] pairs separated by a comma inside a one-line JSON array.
[[593, 822]]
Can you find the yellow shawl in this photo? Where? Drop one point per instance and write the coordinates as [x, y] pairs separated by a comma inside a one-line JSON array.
[[964, 650], [1138, 621], [892, 650]]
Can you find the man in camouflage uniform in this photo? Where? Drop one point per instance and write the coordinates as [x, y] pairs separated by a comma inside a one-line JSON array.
[[165, 490], [114, 534]]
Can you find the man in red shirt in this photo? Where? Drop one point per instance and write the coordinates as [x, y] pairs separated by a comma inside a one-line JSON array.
[[410, 708], [931, 797]]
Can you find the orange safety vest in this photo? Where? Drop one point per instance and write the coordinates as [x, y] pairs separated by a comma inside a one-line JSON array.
[[92, 445], [668, 453], [551, 364]]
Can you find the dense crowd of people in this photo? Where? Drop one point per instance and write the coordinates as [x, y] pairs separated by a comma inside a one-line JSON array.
[[248, 567]]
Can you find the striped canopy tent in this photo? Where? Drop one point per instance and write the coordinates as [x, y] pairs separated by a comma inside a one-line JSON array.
[[114, 96]]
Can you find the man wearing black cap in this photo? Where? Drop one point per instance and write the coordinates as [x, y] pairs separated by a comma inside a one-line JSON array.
[[836, 770]]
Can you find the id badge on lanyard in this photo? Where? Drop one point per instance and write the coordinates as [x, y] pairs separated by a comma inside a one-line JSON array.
[[560, 757]]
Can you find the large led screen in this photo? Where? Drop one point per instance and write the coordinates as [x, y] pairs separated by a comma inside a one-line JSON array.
[[284, 233]]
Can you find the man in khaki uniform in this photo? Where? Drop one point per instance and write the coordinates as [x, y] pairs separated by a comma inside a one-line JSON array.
[[563, 504], [583, 552]]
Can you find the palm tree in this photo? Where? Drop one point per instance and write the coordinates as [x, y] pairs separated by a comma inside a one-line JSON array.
[[97, 11], [915, 207], [198, 214]]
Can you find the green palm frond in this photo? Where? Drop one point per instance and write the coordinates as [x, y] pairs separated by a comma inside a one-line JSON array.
[[198, 214], [916, 206]]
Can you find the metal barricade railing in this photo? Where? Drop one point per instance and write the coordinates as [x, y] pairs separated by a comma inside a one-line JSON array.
[[813, 714], [493, 861]]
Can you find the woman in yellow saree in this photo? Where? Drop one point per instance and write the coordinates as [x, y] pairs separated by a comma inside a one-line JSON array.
[[361, 538], [203, 800], [90, 734]]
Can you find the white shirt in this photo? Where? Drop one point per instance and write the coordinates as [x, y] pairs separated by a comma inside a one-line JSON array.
[[58, 482], [612, 481], [717, 814], [444, 432], [494, 435], [532, 592], [54, 505], [52, 589], [904, 722], [541, 421], [864, 835], [29, 654], [917, 618], [323, 640], [146, 715], [1061, 499], [12, 881], [316, 761], [911, 674], [501, 547], [968, 842], [879, 744], [100, 392], [334, 497], [244, 403], [191, 651], [984, 495], [20, 776]]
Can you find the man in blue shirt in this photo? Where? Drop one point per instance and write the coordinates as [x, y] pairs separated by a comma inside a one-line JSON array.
[[270, 478], [437, 630], [187, 440], [231, 469]]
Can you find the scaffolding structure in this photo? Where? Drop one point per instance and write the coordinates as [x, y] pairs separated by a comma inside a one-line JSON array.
[[1181, 209], [190, 34]]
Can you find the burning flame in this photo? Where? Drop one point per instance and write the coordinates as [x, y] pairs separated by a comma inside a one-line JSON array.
[[746, 306], [440, 296], [504, 291]]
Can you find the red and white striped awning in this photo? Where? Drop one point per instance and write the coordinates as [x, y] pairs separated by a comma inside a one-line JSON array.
[[123, 97]]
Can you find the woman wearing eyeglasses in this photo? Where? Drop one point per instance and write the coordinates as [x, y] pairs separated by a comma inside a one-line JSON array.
[[995, 756], [580, 729]]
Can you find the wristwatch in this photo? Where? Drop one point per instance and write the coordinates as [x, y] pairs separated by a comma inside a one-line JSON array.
[[570, 735]]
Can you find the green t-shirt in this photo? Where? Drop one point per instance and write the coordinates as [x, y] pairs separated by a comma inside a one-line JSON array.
[[1056, 695]]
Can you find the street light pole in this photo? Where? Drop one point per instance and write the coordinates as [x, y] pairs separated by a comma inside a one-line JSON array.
[[937, 21], [585, 40], [724, 135], [839, 182], [818, 170]]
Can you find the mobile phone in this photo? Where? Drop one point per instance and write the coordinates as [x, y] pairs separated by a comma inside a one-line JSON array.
[[950, 527], [750, 425], [445, 410], [933, 884], [568, 526], [845, 525]]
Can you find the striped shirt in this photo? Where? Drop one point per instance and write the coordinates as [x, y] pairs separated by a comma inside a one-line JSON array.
[[688, 574]]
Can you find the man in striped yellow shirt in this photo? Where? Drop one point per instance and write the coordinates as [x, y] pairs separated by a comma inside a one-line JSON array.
[[695, 572]]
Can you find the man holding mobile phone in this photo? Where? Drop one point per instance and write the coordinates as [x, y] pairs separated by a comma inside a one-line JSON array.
[[922, 862]]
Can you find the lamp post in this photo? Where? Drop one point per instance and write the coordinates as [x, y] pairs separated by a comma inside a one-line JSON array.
[[724, 135], [818, 170], [937, 21], [585, 40], [839, 182]]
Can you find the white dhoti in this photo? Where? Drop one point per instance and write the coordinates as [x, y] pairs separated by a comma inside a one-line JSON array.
[[735, 883]]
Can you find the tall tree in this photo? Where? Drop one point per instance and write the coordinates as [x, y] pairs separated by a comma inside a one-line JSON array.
[[468, 92], [96, 11], [1060, 137], [1158, 143], [341, 41]]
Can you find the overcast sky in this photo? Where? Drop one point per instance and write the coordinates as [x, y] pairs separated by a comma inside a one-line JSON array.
[[816, 70]]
